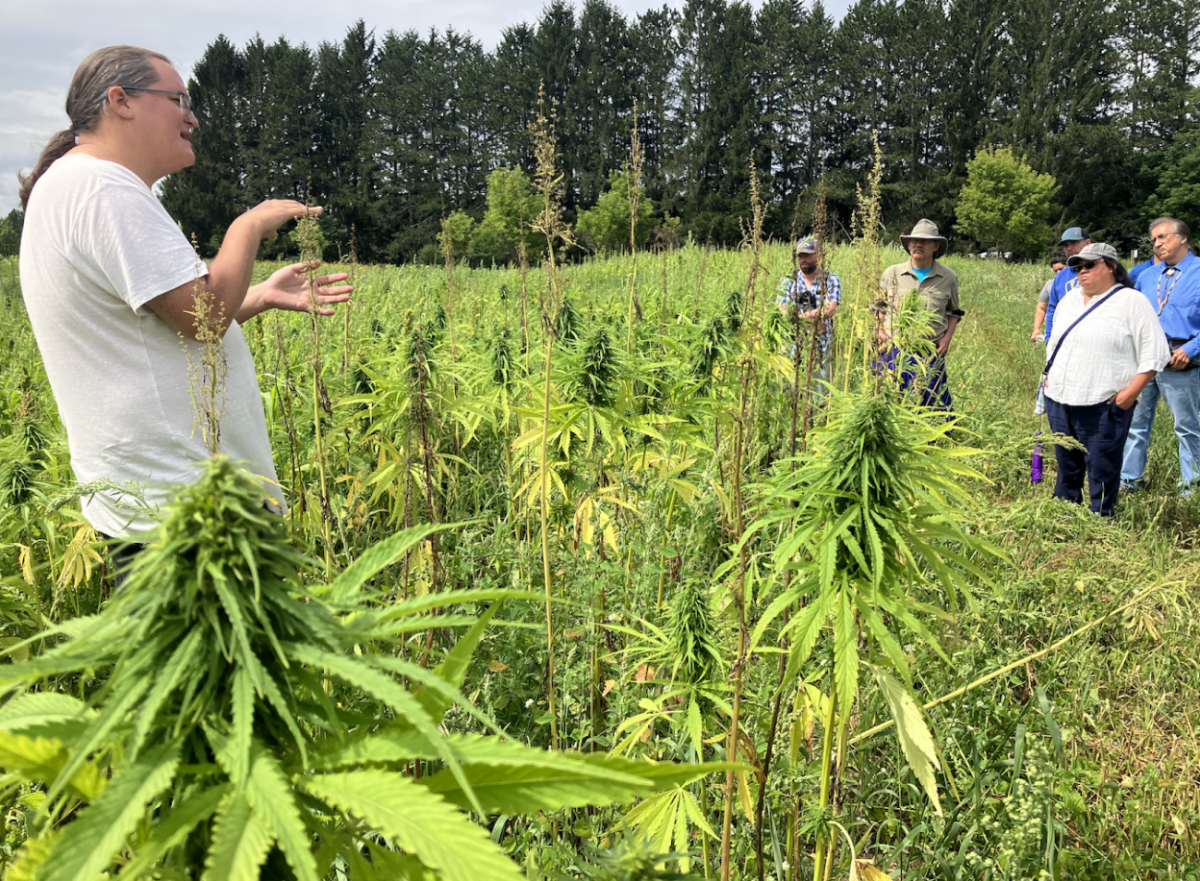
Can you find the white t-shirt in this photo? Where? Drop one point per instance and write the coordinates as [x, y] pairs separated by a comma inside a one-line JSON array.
[[96, 247], [1111, 346]]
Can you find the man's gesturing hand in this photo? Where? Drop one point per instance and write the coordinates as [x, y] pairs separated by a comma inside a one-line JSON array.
[[288, 289]]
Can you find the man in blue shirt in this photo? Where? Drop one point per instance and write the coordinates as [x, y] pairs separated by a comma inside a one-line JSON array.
[[1135, 271], [1072, 242], [1173, 288]]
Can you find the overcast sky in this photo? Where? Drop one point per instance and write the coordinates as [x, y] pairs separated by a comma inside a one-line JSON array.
[[46, 40]]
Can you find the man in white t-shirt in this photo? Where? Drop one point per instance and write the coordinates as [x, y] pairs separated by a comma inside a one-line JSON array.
[[110, 284]]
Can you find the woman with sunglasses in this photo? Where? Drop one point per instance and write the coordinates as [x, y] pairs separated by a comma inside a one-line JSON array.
[[1108, 344], [111, 284]]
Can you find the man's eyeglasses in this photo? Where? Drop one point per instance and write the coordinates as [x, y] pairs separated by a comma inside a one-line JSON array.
[[185, 103]]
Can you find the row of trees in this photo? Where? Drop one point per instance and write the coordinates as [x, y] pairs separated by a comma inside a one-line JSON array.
[[396, 133]]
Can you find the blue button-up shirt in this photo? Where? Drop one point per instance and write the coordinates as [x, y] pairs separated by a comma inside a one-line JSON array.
[[1135, 271], [1176, 299], [1066, 280]]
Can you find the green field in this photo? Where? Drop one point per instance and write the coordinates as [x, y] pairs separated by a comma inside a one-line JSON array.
[[665, 464]]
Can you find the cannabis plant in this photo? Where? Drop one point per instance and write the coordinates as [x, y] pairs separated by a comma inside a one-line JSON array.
[[868, 521], [232, 721]]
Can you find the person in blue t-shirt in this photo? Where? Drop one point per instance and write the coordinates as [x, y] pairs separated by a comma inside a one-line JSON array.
[[1058, 263], [1071, 243], [1173, 289]]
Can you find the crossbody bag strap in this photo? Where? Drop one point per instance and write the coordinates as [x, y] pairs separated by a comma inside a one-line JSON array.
[[1062, 339]]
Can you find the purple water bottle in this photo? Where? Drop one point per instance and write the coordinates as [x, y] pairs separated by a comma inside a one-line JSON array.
[[1035, 467]]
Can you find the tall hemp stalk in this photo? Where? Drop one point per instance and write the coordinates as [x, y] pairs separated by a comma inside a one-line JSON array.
[[875, 518], [860, 322], [747, 363], [353, 273], [207, 375], [548, 223], [821, 233], [634, 181], [451, 289], [308, 236], [284, 387], [797, 442]]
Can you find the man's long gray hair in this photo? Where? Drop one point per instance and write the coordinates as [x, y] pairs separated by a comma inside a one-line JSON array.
[[128, 66]]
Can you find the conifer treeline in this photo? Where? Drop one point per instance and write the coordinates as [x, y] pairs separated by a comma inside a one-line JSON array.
[[395, 132]]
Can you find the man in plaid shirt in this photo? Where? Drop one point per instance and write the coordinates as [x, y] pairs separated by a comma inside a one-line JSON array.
[[815, 302]]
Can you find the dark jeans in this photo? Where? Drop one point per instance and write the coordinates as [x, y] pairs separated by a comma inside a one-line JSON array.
[[1102, 429], [929, 376], [122, 554]]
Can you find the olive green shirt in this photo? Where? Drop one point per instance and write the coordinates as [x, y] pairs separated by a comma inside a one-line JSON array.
[[938, 292]]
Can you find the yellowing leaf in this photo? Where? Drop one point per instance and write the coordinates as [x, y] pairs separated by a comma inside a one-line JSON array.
[[915, 739], [26, 561], [867, 871], [744, 800]]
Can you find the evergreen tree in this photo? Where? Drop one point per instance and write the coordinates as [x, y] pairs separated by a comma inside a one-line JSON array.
[[596, 111], [10, 233], [779, 26], [720, 117], [653, 72], [406, 208], [206, 198], [969, 62], [342, 166], [512, 97]]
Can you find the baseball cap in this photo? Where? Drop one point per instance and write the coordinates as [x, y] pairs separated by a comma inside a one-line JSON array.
[[1074, 234], [807, 246], [1094, 251]]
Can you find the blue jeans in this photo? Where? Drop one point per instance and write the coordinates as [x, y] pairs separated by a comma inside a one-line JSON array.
[[1181, 390], [1102, 429], [929, 378]]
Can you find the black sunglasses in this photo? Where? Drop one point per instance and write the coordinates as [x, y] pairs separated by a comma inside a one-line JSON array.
[[1091, 264]]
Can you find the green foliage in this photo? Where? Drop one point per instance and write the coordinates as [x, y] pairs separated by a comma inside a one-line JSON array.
[[213, 713], [872, 512], [568, 322], [460, 227], [695, 635], [1179, 185], [503, 365], [309, 238], [641, 531], [10, 233], [606, 227], [503, 232], [1005, 205], [598, 366]]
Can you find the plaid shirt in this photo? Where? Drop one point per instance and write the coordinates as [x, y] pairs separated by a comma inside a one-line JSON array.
[[796, 290]]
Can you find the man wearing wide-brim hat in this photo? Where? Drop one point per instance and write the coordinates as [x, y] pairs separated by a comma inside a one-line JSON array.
[[937, 288]]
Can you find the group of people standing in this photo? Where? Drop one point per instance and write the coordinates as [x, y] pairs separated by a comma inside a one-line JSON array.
[[816, 296], [1117, 341]]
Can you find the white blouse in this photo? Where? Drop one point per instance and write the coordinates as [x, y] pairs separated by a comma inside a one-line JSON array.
[[1111, 346]]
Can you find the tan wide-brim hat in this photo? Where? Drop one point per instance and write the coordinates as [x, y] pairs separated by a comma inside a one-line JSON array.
[[926, 229]]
